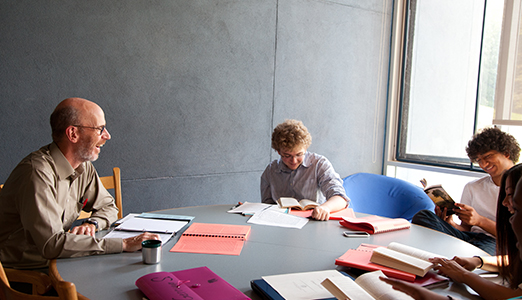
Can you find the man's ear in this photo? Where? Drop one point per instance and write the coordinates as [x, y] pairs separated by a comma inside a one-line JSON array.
[[72, 134]]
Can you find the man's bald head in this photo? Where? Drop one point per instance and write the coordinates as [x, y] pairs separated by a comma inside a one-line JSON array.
[[71, 111]]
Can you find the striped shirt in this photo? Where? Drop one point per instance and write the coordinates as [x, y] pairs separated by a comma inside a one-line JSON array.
[[315, 179]]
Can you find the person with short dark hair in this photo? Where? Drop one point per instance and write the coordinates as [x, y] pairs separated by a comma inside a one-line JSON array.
[[495, 151], [48, 189], [301, 174]]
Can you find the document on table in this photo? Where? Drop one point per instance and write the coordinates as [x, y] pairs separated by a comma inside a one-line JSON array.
[[151, 225], [302, 286], [165, 237], [272, 217], [248, 208], [132, 225]]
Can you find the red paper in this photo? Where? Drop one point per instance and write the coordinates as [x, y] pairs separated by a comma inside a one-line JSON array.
[[375, 224], [213, 239]]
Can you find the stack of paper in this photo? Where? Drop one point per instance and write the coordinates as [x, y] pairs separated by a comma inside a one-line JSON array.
[[135, 224]]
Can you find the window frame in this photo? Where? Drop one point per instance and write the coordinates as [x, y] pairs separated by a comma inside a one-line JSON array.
[[398, 52]]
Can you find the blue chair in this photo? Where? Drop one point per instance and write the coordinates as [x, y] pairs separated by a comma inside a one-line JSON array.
[[385, 196]]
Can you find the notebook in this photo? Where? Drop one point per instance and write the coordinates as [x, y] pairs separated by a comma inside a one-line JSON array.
[[213, 239]]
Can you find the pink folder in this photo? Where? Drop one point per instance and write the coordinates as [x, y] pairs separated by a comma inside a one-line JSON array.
[[197, 283]]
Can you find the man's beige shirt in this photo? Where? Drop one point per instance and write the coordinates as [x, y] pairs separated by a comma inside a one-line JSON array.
[[41, 199]]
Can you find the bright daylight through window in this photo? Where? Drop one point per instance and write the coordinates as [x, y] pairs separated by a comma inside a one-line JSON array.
[[449, 78]]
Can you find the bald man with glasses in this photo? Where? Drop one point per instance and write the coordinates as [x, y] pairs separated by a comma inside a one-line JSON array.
[[49, 188]]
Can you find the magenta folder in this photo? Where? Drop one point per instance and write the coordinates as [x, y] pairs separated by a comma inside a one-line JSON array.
[[198, 283]]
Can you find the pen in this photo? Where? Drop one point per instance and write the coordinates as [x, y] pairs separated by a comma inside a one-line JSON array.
[[238, 205]]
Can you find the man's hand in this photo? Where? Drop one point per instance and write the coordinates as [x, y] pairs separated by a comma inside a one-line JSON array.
[[321, 213], [468, 215], [134, 243], [85, 228], [443, 214]]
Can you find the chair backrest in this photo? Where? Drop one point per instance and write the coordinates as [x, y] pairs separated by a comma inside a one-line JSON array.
[[64, 289], [385, 196], [111, 182]]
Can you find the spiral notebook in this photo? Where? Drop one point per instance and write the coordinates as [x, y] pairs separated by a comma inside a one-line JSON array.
[[213, 239], [375, 224]]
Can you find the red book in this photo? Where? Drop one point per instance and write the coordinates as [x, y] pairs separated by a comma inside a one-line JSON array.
[[197, 283], [375, 224], [360, 259]]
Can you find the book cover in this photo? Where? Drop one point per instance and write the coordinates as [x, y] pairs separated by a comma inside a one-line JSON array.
[[440, 197], [197, 283], [375, 224], [213, 239]]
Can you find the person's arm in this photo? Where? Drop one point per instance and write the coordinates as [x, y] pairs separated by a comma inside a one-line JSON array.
[[44, 197], [469, 217], [322, 212], [486, 263], [485, 288], [266, 192], [415, 291], [331, 186]]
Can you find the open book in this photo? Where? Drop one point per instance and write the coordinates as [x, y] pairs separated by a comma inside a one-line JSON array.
[[197, 283], [213, 239], [366, 287], [360, 259], [375, 224], [304, 204], [440, 197], [404, 258]]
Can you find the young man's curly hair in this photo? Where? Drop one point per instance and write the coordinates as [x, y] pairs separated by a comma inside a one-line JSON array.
[[490, 139], [289, 135]]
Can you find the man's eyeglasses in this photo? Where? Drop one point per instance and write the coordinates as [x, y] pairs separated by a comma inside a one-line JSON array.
[[101, 128]]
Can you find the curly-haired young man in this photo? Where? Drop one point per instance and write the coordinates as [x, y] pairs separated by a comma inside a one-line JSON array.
[[301, 174], [495, 151]]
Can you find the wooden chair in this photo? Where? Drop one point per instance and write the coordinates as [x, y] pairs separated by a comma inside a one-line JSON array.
[[41, 282], [111, 182]]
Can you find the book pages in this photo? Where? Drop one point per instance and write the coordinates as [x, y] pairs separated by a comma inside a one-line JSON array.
[[418, 253], [400, 261], [379, 289], [345, 288]]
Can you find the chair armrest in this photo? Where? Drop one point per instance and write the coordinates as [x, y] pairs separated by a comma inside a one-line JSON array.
[[40, 281]]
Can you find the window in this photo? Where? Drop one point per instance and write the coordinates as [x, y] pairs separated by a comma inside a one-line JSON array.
[[448, 78], [508, 107]]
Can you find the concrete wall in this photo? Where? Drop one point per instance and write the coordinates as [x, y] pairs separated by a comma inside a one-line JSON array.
[[193, 88]]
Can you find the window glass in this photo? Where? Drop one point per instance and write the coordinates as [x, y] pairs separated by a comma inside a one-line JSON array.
[[450, 66]]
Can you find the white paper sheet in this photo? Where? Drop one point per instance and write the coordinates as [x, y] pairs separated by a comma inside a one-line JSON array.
[[272, 217]]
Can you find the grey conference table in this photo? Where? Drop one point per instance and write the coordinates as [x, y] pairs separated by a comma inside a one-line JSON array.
[[268, 251]]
